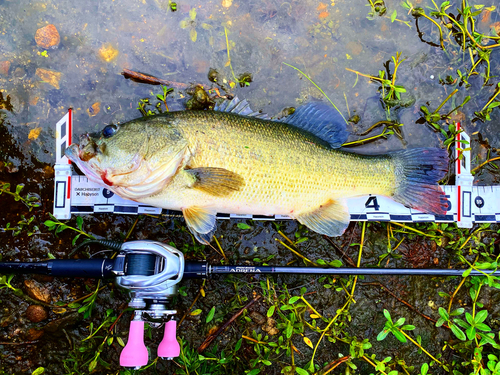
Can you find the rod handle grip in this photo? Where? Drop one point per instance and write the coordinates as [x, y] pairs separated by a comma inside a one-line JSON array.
[[169, 347], [135, 353]]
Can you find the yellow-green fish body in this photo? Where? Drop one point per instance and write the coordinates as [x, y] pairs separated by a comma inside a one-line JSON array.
[[204, 162]]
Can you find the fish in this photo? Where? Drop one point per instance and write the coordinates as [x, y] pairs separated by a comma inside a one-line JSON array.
[[234, 160]]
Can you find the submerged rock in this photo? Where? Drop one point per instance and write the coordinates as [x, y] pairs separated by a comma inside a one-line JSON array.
[[47, 37]]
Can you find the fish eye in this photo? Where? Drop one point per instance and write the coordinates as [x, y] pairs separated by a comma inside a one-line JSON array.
[[109, 131]]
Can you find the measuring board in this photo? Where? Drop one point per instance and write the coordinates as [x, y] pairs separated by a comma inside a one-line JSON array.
[[75, 194]]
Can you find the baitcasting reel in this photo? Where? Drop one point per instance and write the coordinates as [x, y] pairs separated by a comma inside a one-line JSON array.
[[150, 271]]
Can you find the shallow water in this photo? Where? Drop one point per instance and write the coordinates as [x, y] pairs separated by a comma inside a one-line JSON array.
[[99, 39]]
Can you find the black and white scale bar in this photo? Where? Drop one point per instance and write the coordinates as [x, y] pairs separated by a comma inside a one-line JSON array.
[[479, 204]]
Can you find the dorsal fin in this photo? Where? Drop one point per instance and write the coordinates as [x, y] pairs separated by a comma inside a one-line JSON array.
[[321, 120], [318, 119], [239, 107]]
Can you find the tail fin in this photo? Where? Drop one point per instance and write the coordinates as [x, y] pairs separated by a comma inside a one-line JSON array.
[[417, 171]]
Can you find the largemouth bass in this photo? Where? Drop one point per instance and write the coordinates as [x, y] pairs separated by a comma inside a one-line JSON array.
[[234, 161]]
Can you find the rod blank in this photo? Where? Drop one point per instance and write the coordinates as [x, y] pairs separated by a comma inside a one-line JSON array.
[[344, 271]]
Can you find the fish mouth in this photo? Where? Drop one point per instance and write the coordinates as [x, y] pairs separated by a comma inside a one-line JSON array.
[[74, 153], [83, 155]]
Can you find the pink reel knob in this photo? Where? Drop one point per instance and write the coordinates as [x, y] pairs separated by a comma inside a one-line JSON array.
[[135, 353], [169, 347]]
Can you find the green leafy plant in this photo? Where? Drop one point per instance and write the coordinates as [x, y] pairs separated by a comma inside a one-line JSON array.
[[143, 107], [23, 224], [58, 226], [391, 92], [484, 114], [30, 200], [396, 328], [5, 282], [163, 97]]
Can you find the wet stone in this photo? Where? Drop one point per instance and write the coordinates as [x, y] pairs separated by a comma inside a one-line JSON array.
[[36, 313], [19, 73], [4, 67], [47, 37], [213, 75], [258, 318]]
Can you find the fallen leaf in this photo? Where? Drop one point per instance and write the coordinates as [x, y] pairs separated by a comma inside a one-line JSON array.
[[34, 133], [108, 53], [227, 3], [496, 27], [50, 76], [348, 56], [47, 37], [323, 14], [486, 16], [94, 109], [321, 7], [37, 291], [308, 342]]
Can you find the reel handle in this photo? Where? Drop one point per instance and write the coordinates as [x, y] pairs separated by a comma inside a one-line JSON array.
[[135, 353], [169, 347]]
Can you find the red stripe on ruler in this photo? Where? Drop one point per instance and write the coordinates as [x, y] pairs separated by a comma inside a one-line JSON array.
[[70, 129], [459, 208], [68, 194]]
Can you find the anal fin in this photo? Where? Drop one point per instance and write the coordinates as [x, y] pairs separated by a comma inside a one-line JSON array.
[[218, 182], [331, 218], [201, 222]]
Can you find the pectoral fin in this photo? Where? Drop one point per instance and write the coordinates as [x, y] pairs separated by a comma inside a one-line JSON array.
[[331, 218], [201, 222], [218, 182]]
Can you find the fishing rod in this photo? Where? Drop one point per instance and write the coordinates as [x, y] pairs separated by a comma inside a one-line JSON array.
[[151, 271]]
